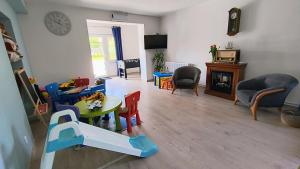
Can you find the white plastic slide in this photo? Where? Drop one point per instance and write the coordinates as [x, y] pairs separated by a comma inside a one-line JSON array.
[[66, 135]]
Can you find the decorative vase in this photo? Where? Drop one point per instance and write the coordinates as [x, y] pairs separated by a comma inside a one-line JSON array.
[[213, 58], [213, 51]]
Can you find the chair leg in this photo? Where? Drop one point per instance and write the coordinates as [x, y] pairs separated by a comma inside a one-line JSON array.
[[235, 100], [129, 127], [138, 119], [253, 109], [174, 88], [196, 90]]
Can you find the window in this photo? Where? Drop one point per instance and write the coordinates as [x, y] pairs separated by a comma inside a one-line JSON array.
[[102, 50], [112, 49]]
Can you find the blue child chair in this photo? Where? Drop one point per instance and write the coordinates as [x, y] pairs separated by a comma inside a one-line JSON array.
[[61, 107], [52, 90]]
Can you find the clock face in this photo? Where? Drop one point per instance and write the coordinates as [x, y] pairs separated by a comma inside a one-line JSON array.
[[233, 15], [57, 23]]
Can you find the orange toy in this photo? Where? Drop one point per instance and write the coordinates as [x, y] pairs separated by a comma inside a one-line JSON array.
[[97, 96], [166, 83]]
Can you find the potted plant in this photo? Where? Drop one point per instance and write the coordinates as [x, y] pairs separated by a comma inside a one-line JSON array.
[[158, 61]]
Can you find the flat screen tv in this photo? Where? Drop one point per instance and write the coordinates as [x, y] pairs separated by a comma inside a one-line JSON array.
[[156, 41]]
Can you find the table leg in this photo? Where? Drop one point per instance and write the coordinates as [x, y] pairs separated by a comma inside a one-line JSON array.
[[159, 82], [106, 117], [91, 121], [125, 72], [117, 119]]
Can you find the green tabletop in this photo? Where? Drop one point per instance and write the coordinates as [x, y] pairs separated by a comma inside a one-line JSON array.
[[110, 104]]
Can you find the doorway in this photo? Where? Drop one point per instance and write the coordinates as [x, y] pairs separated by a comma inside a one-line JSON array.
[[103, 49]]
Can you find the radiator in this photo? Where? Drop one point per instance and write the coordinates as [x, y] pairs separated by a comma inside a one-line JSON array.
[[172, 66]]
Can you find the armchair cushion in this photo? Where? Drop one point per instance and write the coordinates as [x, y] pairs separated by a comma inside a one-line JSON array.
[[272, 90], [245, 96], [185, 82]]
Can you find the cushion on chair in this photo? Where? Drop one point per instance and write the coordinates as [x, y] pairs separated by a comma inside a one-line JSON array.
[[184, 82], [245, 96]]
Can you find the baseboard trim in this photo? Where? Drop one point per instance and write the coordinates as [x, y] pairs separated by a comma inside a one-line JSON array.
[[291, 104]]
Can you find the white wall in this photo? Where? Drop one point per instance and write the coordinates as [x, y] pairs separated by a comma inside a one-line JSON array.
[[269, 36], [130, 44], [130, 41], [14, 125], [54, 58]]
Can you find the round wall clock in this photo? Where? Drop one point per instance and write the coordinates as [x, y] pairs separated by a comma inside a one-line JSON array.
[[58, 23]]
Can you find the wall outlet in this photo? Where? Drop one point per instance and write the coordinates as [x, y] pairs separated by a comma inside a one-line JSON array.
[[25, 139]]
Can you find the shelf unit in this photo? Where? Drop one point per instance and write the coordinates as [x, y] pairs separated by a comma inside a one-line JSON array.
[[29, 107]]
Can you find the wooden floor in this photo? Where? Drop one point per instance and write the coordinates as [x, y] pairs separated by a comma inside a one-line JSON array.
[[203, 132]]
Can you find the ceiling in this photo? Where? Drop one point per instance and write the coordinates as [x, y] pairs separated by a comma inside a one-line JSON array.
[[143, 7]]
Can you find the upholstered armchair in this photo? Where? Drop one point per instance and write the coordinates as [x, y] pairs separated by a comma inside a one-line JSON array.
[[186, 77], [265, 91]]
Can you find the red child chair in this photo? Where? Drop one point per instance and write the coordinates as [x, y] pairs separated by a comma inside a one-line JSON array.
[[81, 82], [131, 109]]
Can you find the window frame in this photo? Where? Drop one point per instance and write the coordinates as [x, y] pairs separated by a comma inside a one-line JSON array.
[[105, 47]]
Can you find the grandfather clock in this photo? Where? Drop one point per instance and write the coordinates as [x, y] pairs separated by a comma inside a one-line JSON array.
[[234, 21]]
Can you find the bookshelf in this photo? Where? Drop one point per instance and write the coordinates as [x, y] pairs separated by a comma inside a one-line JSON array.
[[8, 36]]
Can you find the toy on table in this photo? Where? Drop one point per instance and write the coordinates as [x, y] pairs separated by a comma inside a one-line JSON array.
[[80, 82], [75, 90], [94, 105], [68, 134], [97, 96], [66, 85], [95, 100]]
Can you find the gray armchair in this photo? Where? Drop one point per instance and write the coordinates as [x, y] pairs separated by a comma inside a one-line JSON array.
[[186, 77], [265, 91]]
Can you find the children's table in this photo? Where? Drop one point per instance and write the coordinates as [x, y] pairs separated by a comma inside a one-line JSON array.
[[110, 104]]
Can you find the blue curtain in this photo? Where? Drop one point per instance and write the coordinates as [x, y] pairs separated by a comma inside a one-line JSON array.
[[118, 42]]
